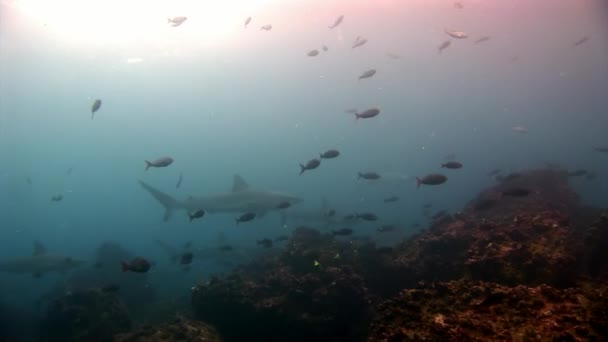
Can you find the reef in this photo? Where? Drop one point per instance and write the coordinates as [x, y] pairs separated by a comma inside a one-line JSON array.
[[178, 330], [91, 315]]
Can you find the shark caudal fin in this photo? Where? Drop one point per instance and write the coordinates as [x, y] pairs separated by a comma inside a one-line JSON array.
[[170, 203]]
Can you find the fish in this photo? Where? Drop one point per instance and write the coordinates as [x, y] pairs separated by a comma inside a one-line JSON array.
[[313, 53], [323, 216], [494, 172], [515, 192], [511, 176], [56, 198], [427, 205], [601, 149], [581, 41], [196, 214], [225, 248], [458, 5], [482, 39], [110, 288], [330, 213], [337, 22], [391, 199], [431, 179], [324, 47], [284, 205], [387, 228], [187, 245], [367, 216], [342, 232], [519, 129], [95, 107], [452, 165], [242, 198], [310, 165], [359, 42], [137, 265], [176, 21], [393, 55], [69, 171], [266, 243], [179, 181], [160, 162], [368, 113], [444, 46], [247, 21], [368, 175], [578, 173], [456, 34], [28, 180], [40, 262], [186, 258], [329, 154], [281, 238], [367, 74], [245, 218], [266, 27]]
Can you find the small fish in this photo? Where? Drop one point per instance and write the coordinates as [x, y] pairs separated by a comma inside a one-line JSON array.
[[137, 265], [187, 245], [519, 129], [316, 263], [225, 248], [452, 165], [330, 213], [368, 175], [57, 198], [337, 22], [266, 243], [393, 55], [367, 216], [245, 218], [444, 46], [482, 39], [310, 165], [427, 205], [458, 5], [359, 42], [284, 205], [456, 34], [337, 256], [581, 41], [512, 176], [98, 265], [367, 74], [387, 228], [196, 215], [266, 27], [281, 238], [324, 47], [160, 162], [179, 181], [515, 192], [313, 53], [431, 179], [601, 149], [186, 258], [329, 154], [95, 107], [110, 288], [69, 171], [176, 21], [367, 114], [494, 172], [28, 180], [391, 199], [342, 232], [247, 21], [578, 173]]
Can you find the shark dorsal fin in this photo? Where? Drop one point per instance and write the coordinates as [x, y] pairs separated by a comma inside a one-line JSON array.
[[239, 184], [39, 249]]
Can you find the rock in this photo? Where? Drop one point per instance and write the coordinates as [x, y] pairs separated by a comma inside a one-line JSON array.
[[178, 330]]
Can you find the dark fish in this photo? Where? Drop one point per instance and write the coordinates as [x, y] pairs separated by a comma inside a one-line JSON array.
[[415, 225], [284, 205], [427, 205], [110, 288], [28, 180], [329, 154], [578, 173], [310, 165], [196, 215], [515, 192], [160, 162], [98, 265], [387, 228], [325, 48], [179, 181], [458, 5], [245, 218], [444, 46], [367, 114], [266, 243], [330, 213], [391, 199], [186, 258], [494, 172], [137, 265], [266, 27], [581, 41], [367, 216], [482, 39], [337, 22], [342, 232], [57, 198], [359, 42], [601, 149], [313, 53], [367, 74], [452, 165], [187, 245], [281, 238], [247, 21], [368, 175], [225, 248], [95, 107], [69, 171], [431, 179]]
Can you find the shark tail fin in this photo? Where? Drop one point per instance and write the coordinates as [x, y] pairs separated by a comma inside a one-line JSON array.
[[170, 203]]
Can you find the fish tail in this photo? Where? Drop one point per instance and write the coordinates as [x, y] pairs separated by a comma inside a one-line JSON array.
[[124, 266], [359, 175], [357, 116], [303, 168], [443, 165], [418, 182], [148, 164], [236, 220], [191, 217]]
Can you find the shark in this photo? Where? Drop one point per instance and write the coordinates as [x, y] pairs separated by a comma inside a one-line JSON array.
[[242, 198], [40, 262]]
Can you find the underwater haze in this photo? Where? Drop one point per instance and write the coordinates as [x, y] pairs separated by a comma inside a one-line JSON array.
[[225, 98]]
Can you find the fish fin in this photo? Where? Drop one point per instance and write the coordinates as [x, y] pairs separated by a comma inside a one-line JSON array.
[[303, 168], [39, 248], [170, 203], [239, 184], [148, 164], [418, 182], [124, 266]]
